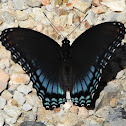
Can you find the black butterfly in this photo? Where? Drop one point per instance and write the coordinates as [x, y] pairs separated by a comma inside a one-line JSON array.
[[77, 68]]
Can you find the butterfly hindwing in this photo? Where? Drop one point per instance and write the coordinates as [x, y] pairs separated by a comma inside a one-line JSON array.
[[39, 56], [91, 52]]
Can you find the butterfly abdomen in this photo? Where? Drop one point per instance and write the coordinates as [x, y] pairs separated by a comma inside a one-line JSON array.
[[66, 76]]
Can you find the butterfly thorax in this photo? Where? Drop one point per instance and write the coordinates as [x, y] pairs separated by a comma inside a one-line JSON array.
[[66, 64], [66, 55]]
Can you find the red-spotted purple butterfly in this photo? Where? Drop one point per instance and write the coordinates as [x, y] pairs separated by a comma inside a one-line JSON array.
[[76, 68]]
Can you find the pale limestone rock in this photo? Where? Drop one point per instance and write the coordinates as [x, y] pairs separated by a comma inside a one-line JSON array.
[[69, 6], [122, 17], [30, 23], [39, 27], [74, 109], [7, 17], [81, 5], [19, 97], [67, 106], [45, 2], [96, 2], [40, 17], [12, 111], [4, 63], [113, 102], [19, 79], [10, 121], [24, 89], [33, 100], [2, 102], [115, 5], [90, 17], [63, 20], [83, 112], [3, 80], [120, 74], [60, 11], [49, 7], [102, 112], [31, 116], [4, 53], [6, 95], [70, 19], [18, 4], [112, 16], [21, 16], [16, 68], [124, 86], [98, 10], [1, 120], [33, 3], [1, 21], [27, 107]]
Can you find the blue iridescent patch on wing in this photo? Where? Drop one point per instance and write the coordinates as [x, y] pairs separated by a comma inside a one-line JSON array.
[[51, 92]]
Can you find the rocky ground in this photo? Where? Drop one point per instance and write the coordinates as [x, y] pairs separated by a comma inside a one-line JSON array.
[[19, 103]]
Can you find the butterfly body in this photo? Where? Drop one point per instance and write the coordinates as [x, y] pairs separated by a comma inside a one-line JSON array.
[[77, 67], [66, 65]]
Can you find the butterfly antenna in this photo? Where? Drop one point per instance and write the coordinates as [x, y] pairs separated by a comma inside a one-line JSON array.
[[53, 26], [77, 26]]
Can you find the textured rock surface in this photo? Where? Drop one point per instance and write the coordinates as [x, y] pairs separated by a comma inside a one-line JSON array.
[[19, 103], [19, 4], [2, 102], [12, 111], [3, 80]]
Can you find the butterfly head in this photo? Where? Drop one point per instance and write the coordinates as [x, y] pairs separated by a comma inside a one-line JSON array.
[[65, 41]]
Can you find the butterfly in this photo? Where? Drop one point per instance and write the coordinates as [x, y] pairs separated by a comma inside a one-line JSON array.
[[56, 69]]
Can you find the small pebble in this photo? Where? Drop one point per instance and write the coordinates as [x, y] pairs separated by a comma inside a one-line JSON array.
[[83, 112], [49, 7], [6, 95], [98, 10], [74, 109], [21, 16], [24, 89], [118, 5], [7, 17], [19, 97], [120, 74], [113, 102], [27, 107], [39, 27], [1, 121], [96, 2], [2, 102], [81, 5], [12, 111], [3, 80], [19, 4], [19, 79], [33, 3], [1, 21], [45, 2], [67, 106], [5, 62]]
